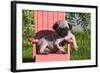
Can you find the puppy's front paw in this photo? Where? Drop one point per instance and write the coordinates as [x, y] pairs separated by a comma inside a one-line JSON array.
[[44, 53], [64, 52], [61, 52]]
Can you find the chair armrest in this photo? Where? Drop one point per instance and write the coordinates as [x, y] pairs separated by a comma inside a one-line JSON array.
[[70, 40], [33, 41]]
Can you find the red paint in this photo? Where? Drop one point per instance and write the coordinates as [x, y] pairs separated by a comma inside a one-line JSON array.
[[55, 16], [44, 20], [51, 57], [36, 22], [39, 20], [61, 16], [50, 20]]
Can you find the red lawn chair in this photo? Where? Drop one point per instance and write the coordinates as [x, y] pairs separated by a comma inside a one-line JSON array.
[[44, 20]]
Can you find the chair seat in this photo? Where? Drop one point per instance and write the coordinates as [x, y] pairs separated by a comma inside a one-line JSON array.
[[52, 57]]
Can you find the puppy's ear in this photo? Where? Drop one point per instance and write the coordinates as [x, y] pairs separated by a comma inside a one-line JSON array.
[[70, 26], [55, 26]]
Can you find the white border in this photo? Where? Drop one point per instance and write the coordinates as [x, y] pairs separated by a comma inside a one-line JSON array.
[[21, 65]]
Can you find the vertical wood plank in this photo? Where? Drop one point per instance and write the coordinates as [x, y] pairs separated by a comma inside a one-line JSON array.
[[39, 20], [50, 20], [35, 20], [61, 16], [68, 51], [34, 50], [55, 17], [45, 20]]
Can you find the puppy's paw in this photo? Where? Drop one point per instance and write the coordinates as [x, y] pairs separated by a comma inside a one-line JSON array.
[[44, 53], [64, 52], [61, 52]]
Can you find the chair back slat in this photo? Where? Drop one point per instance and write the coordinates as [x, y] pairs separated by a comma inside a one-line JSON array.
[[44, 20]]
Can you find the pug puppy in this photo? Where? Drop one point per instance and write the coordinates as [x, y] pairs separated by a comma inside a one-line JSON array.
[[53, 41]]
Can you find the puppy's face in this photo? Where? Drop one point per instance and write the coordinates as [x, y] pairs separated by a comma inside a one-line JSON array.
[[62, 27]]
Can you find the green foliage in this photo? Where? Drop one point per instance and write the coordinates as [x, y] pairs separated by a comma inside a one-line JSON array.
[[28, 22], [27, 31]]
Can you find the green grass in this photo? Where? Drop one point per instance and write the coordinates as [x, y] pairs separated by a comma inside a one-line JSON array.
[[83, 53], [84, 43]]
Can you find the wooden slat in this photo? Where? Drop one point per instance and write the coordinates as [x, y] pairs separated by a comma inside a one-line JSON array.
[[35, 20], [50, 20], [68, 50], [61, 16], [45, 20], [39, 20], [52, 57], [55, 17]]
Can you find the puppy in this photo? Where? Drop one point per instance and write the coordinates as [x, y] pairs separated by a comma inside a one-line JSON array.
[[53, 41]]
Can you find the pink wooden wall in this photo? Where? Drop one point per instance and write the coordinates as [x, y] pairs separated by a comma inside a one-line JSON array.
[[44, 20]]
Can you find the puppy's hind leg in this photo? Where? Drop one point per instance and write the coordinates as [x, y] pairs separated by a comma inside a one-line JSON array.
[[43, 47]]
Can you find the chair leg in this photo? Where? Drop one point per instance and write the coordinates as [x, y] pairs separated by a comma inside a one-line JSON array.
[[34, 50], [68, 51], [74, 43]]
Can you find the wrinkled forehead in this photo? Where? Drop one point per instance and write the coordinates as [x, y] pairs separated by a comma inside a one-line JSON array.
[[63, 24]]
